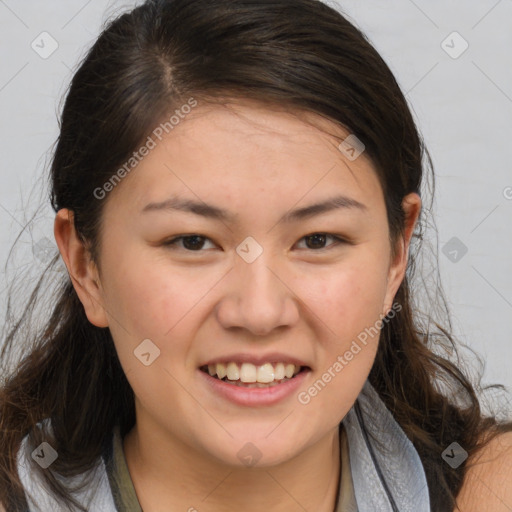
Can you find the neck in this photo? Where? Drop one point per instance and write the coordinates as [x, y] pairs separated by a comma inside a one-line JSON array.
[[165, 471]]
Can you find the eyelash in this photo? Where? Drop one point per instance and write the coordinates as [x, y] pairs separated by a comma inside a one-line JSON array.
[[338, 240]]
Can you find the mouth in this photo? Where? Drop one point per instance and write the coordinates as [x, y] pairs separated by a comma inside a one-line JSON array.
[[248, 375]]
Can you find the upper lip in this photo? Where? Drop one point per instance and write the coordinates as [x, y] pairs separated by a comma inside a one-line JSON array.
[[257, 360]]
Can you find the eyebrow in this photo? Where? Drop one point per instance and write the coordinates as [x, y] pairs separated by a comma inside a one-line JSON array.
[[216, 213]]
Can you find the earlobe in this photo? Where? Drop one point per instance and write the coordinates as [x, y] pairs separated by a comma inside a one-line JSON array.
[[81, 268]]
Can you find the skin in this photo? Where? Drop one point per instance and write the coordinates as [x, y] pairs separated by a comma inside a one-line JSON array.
[[309, 301], [487, 485]]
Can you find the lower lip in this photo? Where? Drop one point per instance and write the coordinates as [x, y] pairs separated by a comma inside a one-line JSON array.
[[253, 397]]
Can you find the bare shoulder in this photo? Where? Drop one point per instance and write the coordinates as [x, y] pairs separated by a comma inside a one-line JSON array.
[[487, 485]]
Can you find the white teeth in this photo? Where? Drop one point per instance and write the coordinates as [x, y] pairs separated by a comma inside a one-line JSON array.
[[232, 371], [248, 373], [267, 373], [288, 370], [279, 371], [221, 370]]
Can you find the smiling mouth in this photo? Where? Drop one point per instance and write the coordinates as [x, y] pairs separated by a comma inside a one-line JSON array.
[[250, 376]]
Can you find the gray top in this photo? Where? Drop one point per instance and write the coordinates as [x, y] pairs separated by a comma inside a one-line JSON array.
[[380, 469]]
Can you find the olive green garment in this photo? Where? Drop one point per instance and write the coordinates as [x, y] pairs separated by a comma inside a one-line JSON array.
[[126, 500]]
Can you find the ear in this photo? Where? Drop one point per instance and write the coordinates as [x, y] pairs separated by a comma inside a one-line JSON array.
[[411, 206], [82, 270]]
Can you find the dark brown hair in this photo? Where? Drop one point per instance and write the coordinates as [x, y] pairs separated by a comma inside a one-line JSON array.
[[300, 55]]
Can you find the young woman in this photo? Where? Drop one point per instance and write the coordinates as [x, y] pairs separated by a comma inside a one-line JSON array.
[[237, 188]]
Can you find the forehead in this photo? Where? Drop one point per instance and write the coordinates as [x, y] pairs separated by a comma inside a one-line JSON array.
[[262, 129], [246, 149]]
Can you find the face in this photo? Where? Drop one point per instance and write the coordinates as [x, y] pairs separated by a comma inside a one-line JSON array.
[[270, 282]]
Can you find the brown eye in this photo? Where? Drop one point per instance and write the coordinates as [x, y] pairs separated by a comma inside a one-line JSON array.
[[195, 242], [190, 242], [317, 240]]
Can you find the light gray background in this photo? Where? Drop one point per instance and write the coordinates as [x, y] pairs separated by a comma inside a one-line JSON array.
[[463, 107]]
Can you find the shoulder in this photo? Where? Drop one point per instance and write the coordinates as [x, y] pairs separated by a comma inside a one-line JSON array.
[[90, 487], [487, 485]]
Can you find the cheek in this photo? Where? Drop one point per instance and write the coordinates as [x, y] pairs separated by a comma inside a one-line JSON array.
[[348, 301], [164, 303], [148, 296], [150, 303], [348, 297]]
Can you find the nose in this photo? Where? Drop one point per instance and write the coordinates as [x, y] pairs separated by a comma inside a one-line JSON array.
[[258, 298]]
